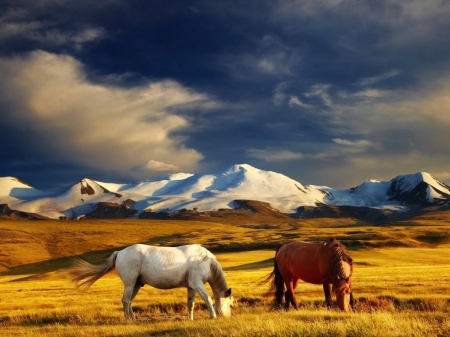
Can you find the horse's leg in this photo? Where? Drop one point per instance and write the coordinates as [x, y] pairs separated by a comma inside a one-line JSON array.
[[287, 300], [289, 295], [136, 288], [279, 296], [200, 288], [190, 303], [294, 298], [128, 295], [327, 291], [352, 301]]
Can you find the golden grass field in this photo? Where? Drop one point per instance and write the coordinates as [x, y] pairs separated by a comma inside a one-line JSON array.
[[401, 279]]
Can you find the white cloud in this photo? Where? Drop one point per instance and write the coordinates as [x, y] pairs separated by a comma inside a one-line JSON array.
[[13, 29], [274, 64], [353, 146], [101, 126], [273, 155], [271, 57], [342, 149], [278, 94], [395, 12], [153, 165], [321, 91], [260, 63], [375, 79], [77, 38], [365, 94], [306, 7], [17, 24], [295, 101]]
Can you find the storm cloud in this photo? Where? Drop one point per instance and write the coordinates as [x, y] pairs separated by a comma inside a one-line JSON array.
[[327, 92]]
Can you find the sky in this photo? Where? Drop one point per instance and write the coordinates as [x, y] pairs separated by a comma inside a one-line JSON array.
[[326, 92]]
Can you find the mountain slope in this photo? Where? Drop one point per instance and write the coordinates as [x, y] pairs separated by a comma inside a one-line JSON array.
[[77, 200], [418, 189], [220, 190]]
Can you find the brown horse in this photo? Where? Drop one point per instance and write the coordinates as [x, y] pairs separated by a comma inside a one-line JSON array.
[[326, 263]]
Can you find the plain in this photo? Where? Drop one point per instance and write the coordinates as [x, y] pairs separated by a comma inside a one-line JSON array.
[[401, 278]]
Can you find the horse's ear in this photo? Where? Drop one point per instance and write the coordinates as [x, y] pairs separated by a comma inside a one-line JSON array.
[[228, 293]]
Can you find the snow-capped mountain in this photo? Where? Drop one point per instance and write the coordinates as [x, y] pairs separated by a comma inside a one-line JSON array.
[[418, 189], [219, 190]]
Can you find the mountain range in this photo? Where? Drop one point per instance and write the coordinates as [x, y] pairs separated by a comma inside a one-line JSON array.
[[236, 187]]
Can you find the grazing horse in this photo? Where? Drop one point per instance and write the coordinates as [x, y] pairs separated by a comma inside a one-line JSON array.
[[318, 263], [189, 266]]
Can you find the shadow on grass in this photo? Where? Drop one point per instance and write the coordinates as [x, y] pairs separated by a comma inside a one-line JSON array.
[[253, 265], [391, 303], [97, 257]]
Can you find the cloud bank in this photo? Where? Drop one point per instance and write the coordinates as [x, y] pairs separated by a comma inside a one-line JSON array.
[[97, 125], [374, 134]]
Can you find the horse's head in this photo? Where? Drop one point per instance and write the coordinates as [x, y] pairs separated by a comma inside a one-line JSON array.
[[343, 297], [226, 303], [341, 270]]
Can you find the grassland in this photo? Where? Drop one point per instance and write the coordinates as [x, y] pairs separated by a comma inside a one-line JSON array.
[[401, 279]]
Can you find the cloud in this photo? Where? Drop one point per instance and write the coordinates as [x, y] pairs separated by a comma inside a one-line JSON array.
[[153, 165], [278, 94], [12, 29], [77, 38], [96, 125], [266, 57], [365, 94], [295, 101], [341, 149], [400, 131], [20, 24], [390, 12], [274, 63], [320, 91], [270, 155], [352, 147], [375, 79], [254, 65]]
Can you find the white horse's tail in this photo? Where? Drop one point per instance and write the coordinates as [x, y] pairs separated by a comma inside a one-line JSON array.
[[84, 274]]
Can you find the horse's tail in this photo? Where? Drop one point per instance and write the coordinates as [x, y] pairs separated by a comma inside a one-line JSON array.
[[276, 282], [84, 274]]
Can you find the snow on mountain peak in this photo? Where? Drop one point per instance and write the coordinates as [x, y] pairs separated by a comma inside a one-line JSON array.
[[410, 181], [8, 183], [420, 187], [173, 176], [245, 167], [12, 187], [219, 190]]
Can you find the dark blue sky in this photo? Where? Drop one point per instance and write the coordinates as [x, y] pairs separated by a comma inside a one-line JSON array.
[[327, 92]]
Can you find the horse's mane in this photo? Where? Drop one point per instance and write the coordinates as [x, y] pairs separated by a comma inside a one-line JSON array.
[[338, 255], [217, 279]]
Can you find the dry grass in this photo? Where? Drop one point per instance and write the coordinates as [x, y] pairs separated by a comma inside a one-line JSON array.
[[401, 289]]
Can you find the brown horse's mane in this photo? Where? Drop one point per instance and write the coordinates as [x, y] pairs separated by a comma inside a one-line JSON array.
[[338, 255]]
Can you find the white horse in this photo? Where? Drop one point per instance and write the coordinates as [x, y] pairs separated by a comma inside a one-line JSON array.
[[189, 266]]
